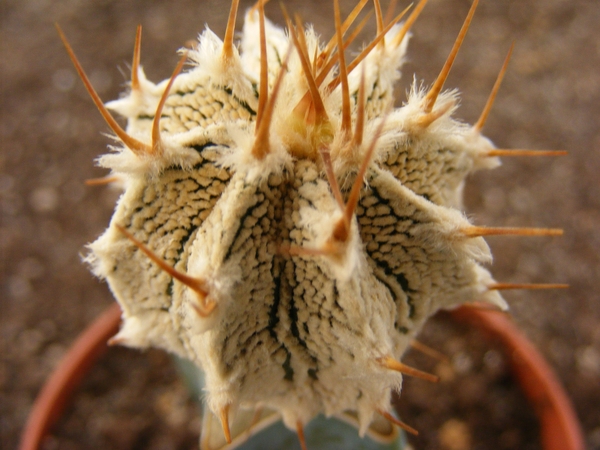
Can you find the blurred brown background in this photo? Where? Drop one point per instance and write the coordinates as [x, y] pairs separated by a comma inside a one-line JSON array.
[[51, 132]]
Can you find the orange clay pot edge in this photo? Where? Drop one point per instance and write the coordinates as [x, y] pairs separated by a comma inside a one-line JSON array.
[[560, 428], [55, 394]]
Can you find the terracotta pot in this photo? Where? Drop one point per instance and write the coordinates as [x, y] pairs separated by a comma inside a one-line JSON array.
[[560, 429], [55, 394]]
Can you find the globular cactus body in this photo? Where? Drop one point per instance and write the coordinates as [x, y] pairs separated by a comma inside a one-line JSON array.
[[284, 227]]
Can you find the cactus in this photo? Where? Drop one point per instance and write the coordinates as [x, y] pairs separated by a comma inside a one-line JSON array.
[[287, 229]]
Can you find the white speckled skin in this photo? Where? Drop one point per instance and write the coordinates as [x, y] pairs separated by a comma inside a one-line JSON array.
[[298, 333]]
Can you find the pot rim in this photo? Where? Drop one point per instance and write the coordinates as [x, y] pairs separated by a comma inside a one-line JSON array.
[[560, 428]]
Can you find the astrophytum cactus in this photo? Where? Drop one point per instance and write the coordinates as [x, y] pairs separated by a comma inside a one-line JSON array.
[[283, 225]]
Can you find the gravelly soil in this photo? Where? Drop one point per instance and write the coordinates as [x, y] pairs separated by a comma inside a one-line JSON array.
[[50, 134]]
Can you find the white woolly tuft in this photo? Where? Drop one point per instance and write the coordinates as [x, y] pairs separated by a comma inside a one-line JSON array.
[[484, 279], [383, 63], [138, 102], [212, 69], [478, 145], [277, 45], [241, 160], [103, 252], [124, 161]]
